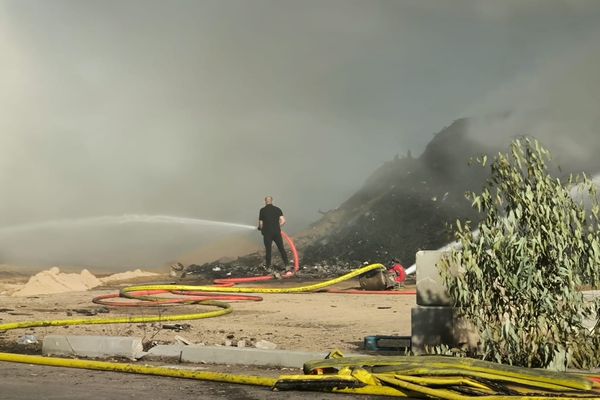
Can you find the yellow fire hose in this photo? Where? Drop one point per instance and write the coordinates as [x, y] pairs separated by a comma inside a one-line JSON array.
[[432, 377], [132, 368], [236, 289], [431, 365], [225, 309], [138, 369]]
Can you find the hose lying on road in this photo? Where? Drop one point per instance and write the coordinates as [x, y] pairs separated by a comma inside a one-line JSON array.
[[439, 377], [148, 293], [415, 377], [138, 369]]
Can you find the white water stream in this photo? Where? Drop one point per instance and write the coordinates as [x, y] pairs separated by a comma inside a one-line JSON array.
[[119, 220], [114, 242]]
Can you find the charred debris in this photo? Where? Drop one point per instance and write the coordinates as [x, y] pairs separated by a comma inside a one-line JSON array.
[[408, 204]]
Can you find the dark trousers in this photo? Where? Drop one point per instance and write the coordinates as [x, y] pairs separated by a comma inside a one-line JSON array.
[[269, 238]]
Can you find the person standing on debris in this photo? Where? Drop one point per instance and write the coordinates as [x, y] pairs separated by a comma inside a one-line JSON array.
[[270, 221]]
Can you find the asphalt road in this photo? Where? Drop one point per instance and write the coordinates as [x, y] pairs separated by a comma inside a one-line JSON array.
[[23, 381]]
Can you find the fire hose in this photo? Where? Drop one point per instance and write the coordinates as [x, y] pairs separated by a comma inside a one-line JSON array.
[[146, 295], [416, 377], [290, 242], [437, 377], [147, 292], [231, 281]]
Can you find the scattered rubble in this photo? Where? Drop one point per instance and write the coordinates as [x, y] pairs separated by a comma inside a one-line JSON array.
[[90, 311], [406, 205], [252, 265], [27, 339], [265, 345], [177, 327], [181, 340]]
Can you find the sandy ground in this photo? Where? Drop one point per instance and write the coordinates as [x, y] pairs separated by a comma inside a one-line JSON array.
[[313, 321]]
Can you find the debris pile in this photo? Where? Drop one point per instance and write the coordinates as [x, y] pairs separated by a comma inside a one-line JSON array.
[[406, 205], [253, 265]]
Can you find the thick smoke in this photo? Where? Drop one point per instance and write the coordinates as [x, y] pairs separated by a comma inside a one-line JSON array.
[[558, 105], [200, 109]]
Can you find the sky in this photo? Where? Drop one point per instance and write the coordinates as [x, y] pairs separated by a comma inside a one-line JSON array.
[[201, 108]]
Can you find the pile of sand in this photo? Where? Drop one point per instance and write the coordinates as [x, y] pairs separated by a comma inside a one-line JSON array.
[[126, 275], [54, 281]]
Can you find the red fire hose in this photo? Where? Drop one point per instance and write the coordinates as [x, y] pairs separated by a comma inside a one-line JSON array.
[[173, 297], [147, 298], [290, 242]]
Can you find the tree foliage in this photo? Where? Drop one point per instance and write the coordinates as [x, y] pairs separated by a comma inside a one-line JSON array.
[[522, 269]]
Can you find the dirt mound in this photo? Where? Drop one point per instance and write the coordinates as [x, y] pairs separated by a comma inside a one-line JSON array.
[[406, 205], [122, 276], [54, 281]]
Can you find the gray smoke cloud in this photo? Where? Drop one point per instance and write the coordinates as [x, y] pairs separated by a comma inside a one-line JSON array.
[[558, 104], [200, 109]]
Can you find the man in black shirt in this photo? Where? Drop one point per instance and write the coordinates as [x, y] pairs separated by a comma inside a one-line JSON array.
[[270, 221]]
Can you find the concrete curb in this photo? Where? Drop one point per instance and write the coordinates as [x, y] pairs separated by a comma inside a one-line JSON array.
[[236, 356], [93, 346], [131, 347], [166, 351]]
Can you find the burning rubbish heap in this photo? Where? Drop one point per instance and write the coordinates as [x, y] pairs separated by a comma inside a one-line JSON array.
[[406, 205]]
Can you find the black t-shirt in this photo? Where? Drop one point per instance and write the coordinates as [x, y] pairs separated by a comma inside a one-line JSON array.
[[269, 215]]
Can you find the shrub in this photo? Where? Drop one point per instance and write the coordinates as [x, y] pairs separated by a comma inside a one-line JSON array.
[[522, 269]]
